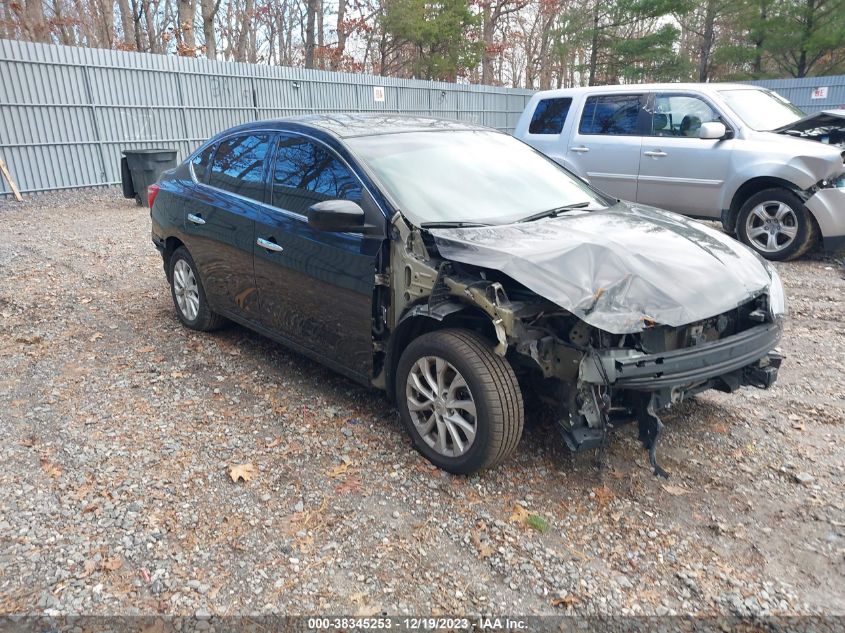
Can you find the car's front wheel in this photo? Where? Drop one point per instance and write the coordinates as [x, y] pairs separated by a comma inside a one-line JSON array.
[[776, 224], [459, 400], [189, 295]]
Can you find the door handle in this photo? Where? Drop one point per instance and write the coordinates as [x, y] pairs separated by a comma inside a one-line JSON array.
[[583, 149], [196, 219], [270, 246], [656, 153]]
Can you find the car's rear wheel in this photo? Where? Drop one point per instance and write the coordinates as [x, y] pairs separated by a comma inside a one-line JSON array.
[[189, 295], [460, 401], [776, 224]]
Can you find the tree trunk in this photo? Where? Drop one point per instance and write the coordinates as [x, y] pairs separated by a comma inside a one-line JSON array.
[[594, 45], [36, 27], [488, 27], [337, 58], [126, 23], [209, 10], [707, 38], [185, 11], [310, 17]]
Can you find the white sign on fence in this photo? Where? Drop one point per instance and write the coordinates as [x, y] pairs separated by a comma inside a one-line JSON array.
[[378, 94], [819, 93]]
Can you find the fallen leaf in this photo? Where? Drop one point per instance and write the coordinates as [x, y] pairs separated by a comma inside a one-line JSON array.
[[29, 340], [566, 601], [338, 470], [675, 490], [603, 495], [242, 471], [54, 470], [113, 564], [484, 550], [520, 514], [88, 568], [274, 443]]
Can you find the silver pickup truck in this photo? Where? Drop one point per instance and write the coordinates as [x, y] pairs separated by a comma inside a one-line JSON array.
[[774, 176]]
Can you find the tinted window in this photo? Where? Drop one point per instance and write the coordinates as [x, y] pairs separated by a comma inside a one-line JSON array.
[[611, 114], [239, 165], [680, 115], [549, 116], [306, 173], [200, 162]]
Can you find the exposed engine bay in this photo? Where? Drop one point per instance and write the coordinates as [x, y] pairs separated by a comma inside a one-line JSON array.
[[598, 362]]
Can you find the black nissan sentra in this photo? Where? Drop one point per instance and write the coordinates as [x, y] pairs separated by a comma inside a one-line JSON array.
[[458, 269]]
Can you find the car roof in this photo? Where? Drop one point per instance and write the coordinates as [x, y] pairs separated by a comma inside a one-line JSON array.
[[363, 124], [664, 87]]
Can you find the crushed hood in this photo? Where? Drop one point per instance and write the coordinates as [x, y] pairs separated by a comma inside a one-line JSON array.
[[618, 269], [827, 126]]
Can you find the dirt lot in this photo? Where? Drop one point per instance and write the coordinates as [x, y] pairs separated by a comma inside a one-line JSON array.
[[118, 426]]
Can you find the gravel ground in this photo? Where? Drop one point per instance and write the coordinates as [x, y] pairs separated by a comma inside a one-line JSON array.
[[119, 427]]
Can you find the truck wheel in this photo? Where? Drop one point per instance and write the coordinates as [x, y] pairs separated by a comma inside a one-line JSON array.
[[189, 295], [776, 224], [460, 401]]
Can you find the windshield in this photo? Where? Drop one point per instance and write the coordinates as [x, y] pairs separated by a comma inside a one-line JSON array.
[[760, 109], [469, 177]]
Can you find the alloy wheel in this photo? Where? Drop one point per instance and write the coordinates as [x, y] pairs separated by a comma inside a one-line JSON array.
[[186, 290], [441, 406], [771, 226]]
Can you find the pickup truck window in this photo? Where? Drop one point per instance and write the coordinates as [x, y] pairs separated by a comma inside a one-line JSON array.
[[306, 173], [549, 116], [614, 115], [680, 115], [239, 165]]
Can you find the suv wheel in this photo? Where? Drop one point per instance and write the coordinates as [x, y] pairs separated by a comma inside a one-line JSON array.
[[189, 295], [776, 224], [460, 401]]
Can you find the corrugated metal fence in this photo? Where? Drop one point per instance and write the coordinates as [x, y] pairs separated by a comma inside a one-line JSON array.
[[66, 113], [811, 94]]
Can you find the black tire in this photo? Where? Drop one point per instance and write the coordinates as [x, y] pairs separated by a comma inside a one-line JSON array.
[[807, 231], [205, 320], [493, 387]]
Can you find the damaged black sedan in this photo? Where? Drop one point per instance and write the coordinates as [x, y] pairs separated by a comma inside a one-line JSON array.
[[458, 269]]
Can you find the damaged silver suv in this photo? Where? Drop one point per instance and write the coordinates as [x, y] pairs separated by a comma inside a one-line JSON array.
[[457, 268]]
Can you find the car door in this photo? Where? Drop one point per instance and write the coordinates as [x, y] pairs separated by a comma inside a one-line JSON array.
[[316, 287], [220, 222], [605, 145], [679, 171]]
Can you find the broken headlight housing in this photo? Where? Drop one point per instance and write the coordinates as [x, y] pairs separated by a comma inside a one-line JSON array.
[[777, 298]]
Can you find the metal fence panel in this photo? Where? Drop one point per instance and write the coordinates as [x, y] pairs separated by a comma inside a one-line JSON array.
[[811, 94], [66, 113]]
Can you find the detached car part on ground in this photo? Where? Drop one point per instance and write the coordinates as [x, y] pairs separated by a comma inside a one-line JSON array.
[[730, 152], [458, 269]]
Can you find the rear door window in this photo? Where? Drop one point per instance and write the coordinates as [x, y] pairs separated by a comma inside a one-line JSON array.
[[613, 115], [239, 165], [306, 172], [200, 162], [549, 116]]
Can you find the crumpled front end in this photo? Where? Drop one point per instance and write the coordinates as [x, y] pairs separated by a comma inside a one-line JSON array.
[[599, 359]]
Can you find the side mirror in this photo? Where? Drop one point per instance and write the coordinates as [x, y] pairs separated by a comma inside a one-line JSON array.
[[712, 131], [337, 216]]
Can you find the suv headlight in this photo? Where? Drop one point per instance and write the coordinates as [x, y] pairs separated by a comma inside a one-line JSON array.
[[777, 298]]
